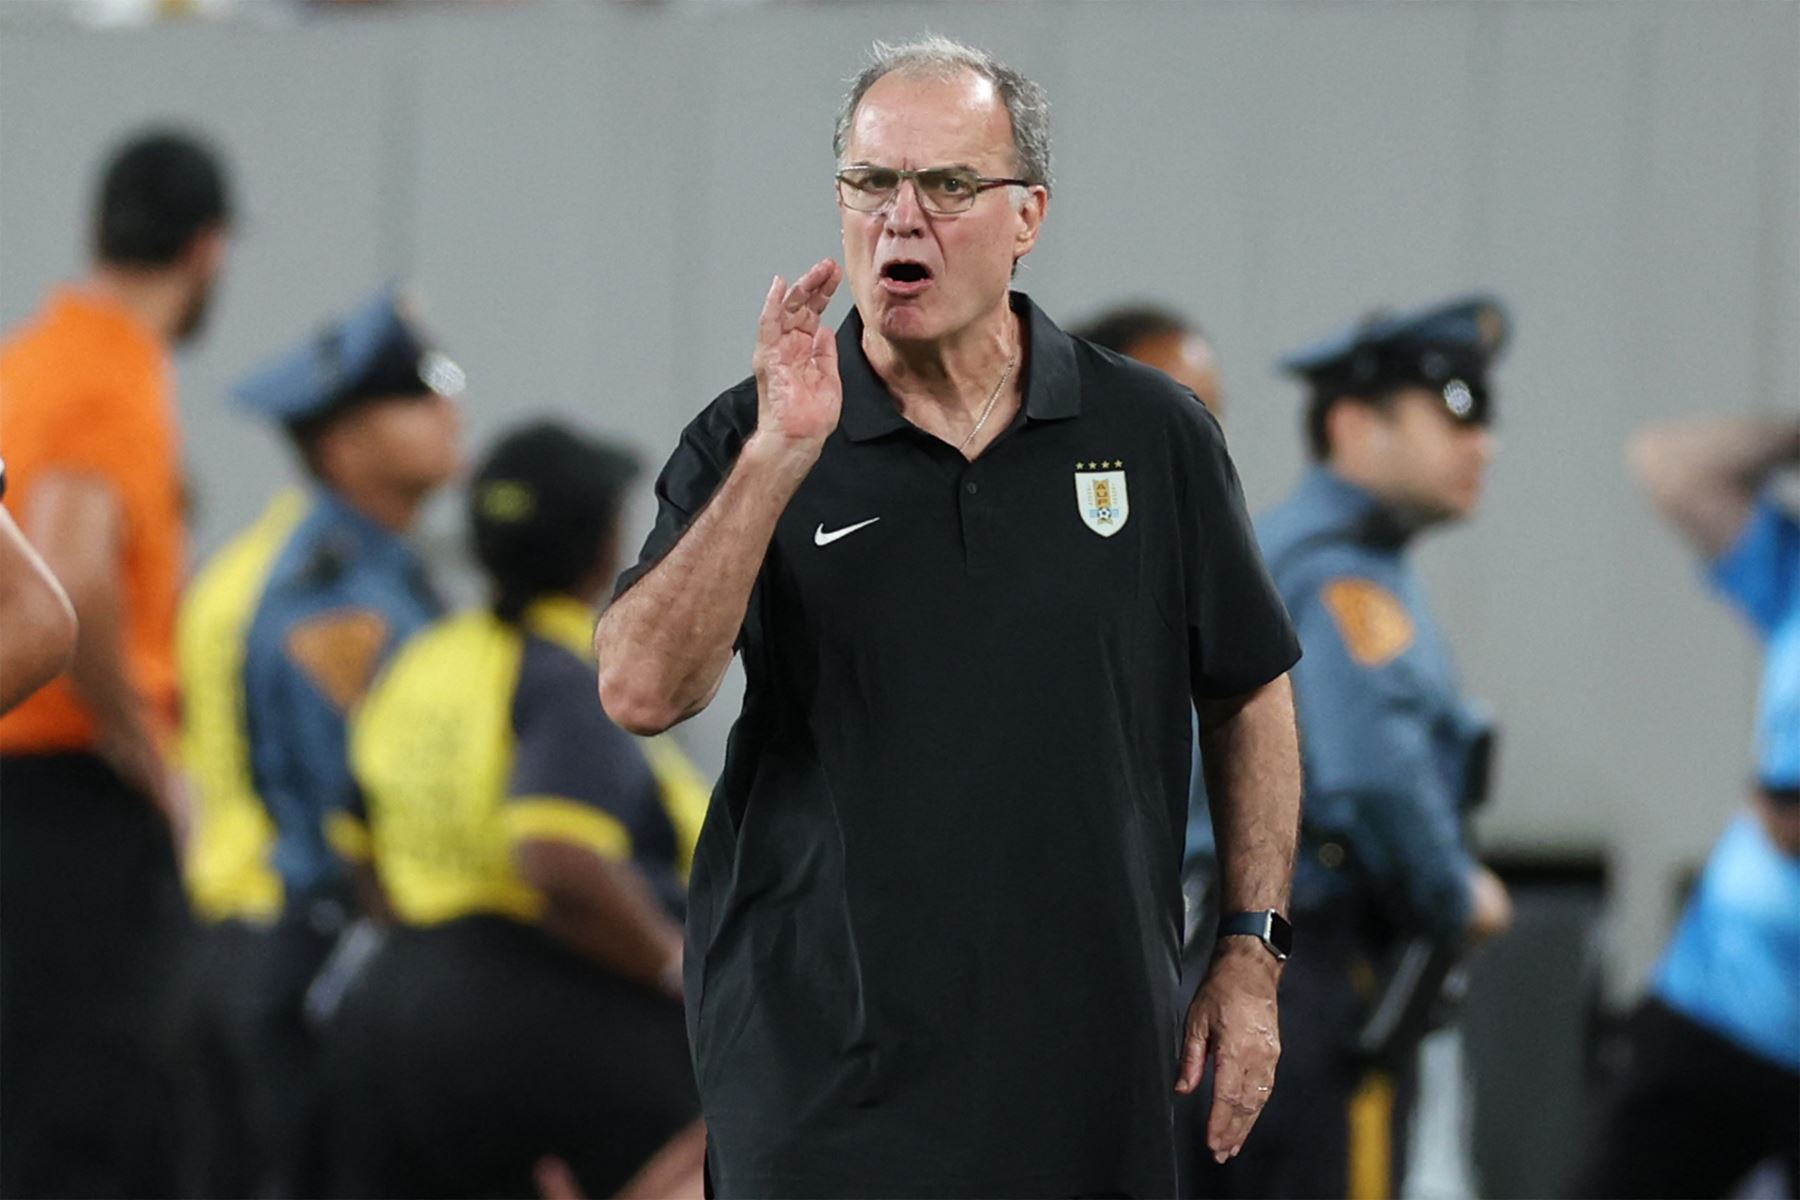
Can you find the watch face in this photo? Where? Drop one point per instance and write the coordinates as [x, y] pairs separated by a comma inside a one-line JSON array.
[[1281, 934]]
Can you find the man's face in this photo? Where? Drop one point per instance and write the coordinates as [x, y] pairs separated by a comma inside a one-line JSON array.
[[918, 276], [1432, 463], [202, 266], [1188, 360], [409, 444]]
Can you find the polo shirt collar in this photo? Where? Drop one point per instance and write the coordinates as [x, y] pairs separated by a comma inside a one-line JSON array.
[[1052, 379]]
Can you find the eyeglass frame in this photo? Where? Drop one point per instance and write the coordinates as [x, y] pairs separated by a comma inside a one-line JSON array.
[[983, 183]]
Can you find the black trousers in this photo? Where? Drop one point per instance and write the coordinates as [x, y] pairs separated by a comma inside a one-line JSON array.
[[220, 1155], [90, 925], [286, 1067], [472, 1049], [1691, 1115], [1331, 1122]]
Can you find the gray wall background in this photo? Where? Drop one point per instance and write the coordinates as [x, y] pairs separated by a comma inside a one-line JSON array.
[[593, 198]]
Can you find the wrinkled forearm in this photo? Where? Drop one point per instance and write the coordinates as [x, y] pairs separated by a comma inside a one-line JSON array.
[[1251, 755], [664, 645]]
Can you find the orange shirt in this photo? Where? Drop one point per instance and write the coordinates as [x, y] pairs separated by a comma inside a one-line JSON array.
[[85, 387]]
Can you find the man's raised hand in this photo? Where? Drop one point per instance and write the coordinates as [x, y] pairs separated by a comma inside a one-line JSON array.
[[797, 389]]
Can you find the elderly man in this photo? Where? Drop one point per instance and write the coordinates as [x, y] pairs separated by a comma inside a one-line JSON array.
[[935, 915]]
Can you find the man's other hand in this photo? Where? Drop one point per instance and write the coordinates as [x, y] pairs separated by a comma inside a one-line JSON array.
[[1233, 1019]]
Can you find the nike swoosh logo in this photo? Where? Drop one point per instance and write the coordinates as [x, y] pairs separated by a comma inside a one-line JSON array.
[[821, 538]]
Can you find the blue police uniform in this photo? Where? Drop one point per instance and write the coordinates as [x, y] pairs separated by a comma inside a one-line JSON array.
[[1389, 740], [1391, 753], [344, 592], [1711, 1085], [334, 594]]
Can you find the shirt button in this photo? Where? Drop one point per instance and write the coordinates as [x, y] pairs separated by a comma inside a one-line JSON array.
[[971, 487]]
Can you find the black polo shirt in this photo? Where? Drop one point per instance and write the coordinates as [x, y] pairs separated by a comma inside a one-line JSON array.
[[934, 916]]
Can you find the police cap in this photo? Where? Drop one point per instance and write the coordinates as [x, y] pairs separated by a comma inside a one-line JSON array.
[[377, 350], [1447, 347]]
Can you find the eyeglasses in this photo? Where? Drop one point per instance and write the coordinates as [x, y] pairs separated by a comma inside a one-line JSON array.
[[942, 190]]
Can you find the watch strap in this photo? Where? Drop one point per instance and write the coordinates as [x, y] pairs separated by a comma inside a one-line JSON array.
[[1268, 926]]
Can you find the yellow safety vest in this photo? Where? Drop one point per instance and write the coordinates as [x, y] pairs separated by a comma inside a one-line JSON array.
[[226, 863], [432, 751]]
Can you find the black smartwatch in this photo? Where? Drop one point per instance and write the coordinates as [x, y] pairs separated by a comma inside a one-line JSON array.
[[1268, 927]]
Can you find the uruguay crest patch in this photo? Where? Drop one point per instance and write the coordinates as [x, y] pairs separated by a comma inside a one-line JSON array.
[[1100, 496]]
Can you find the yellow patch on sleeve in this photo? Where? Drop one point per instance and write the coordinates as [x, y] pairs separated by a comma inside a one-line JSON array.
[[553, 818], [349, 837], [1375, 626], [338, 651]]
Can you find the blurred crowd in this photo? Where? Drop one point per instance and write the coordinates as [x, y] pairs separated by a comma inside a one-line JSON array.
[[108, 14], [312, 886], [287, 911]]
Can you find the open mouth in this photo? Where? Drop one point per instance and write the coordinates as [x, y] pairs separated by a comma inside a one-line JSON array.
[[906, 274]]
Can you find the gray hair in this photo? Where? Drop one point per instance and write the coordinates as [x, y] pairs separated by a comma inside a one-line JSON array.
[[935, 56]]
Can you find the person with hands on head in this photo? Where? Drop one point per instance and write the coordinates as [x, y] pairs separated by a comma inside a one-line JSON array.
[[980, 574], [1392, 753], [1711, 1082]]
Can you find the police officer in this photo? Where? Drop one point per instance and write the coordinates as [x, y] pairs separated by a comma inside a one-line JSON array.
[[534, 857], [306, 606], [1397, 423], [233, 891]]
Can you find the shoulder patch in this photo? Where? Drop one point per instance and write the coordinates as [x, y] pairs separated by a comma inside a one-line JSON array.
[[1375, 626], [338, 651]]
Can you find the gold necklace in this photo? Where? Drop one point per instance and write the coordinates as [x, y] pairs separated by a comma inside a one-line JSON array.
[[988, 411]]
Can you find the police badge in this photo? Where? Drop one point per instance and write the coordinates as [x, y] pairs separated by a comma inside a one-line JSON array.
[[1100, 497]]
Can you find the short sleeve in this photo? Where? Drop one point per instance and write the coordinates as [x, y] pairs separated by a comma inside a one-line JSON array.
[[1371, 777], [1760, 572], [1239, 635], [704, 456], [576, 776], [116, 431]]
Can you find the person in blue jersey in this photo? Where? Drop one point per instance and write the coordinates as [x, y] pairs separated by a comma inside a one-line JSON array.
[[1711, 1085], [531, 860], [371, 409], [1391, 750]]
